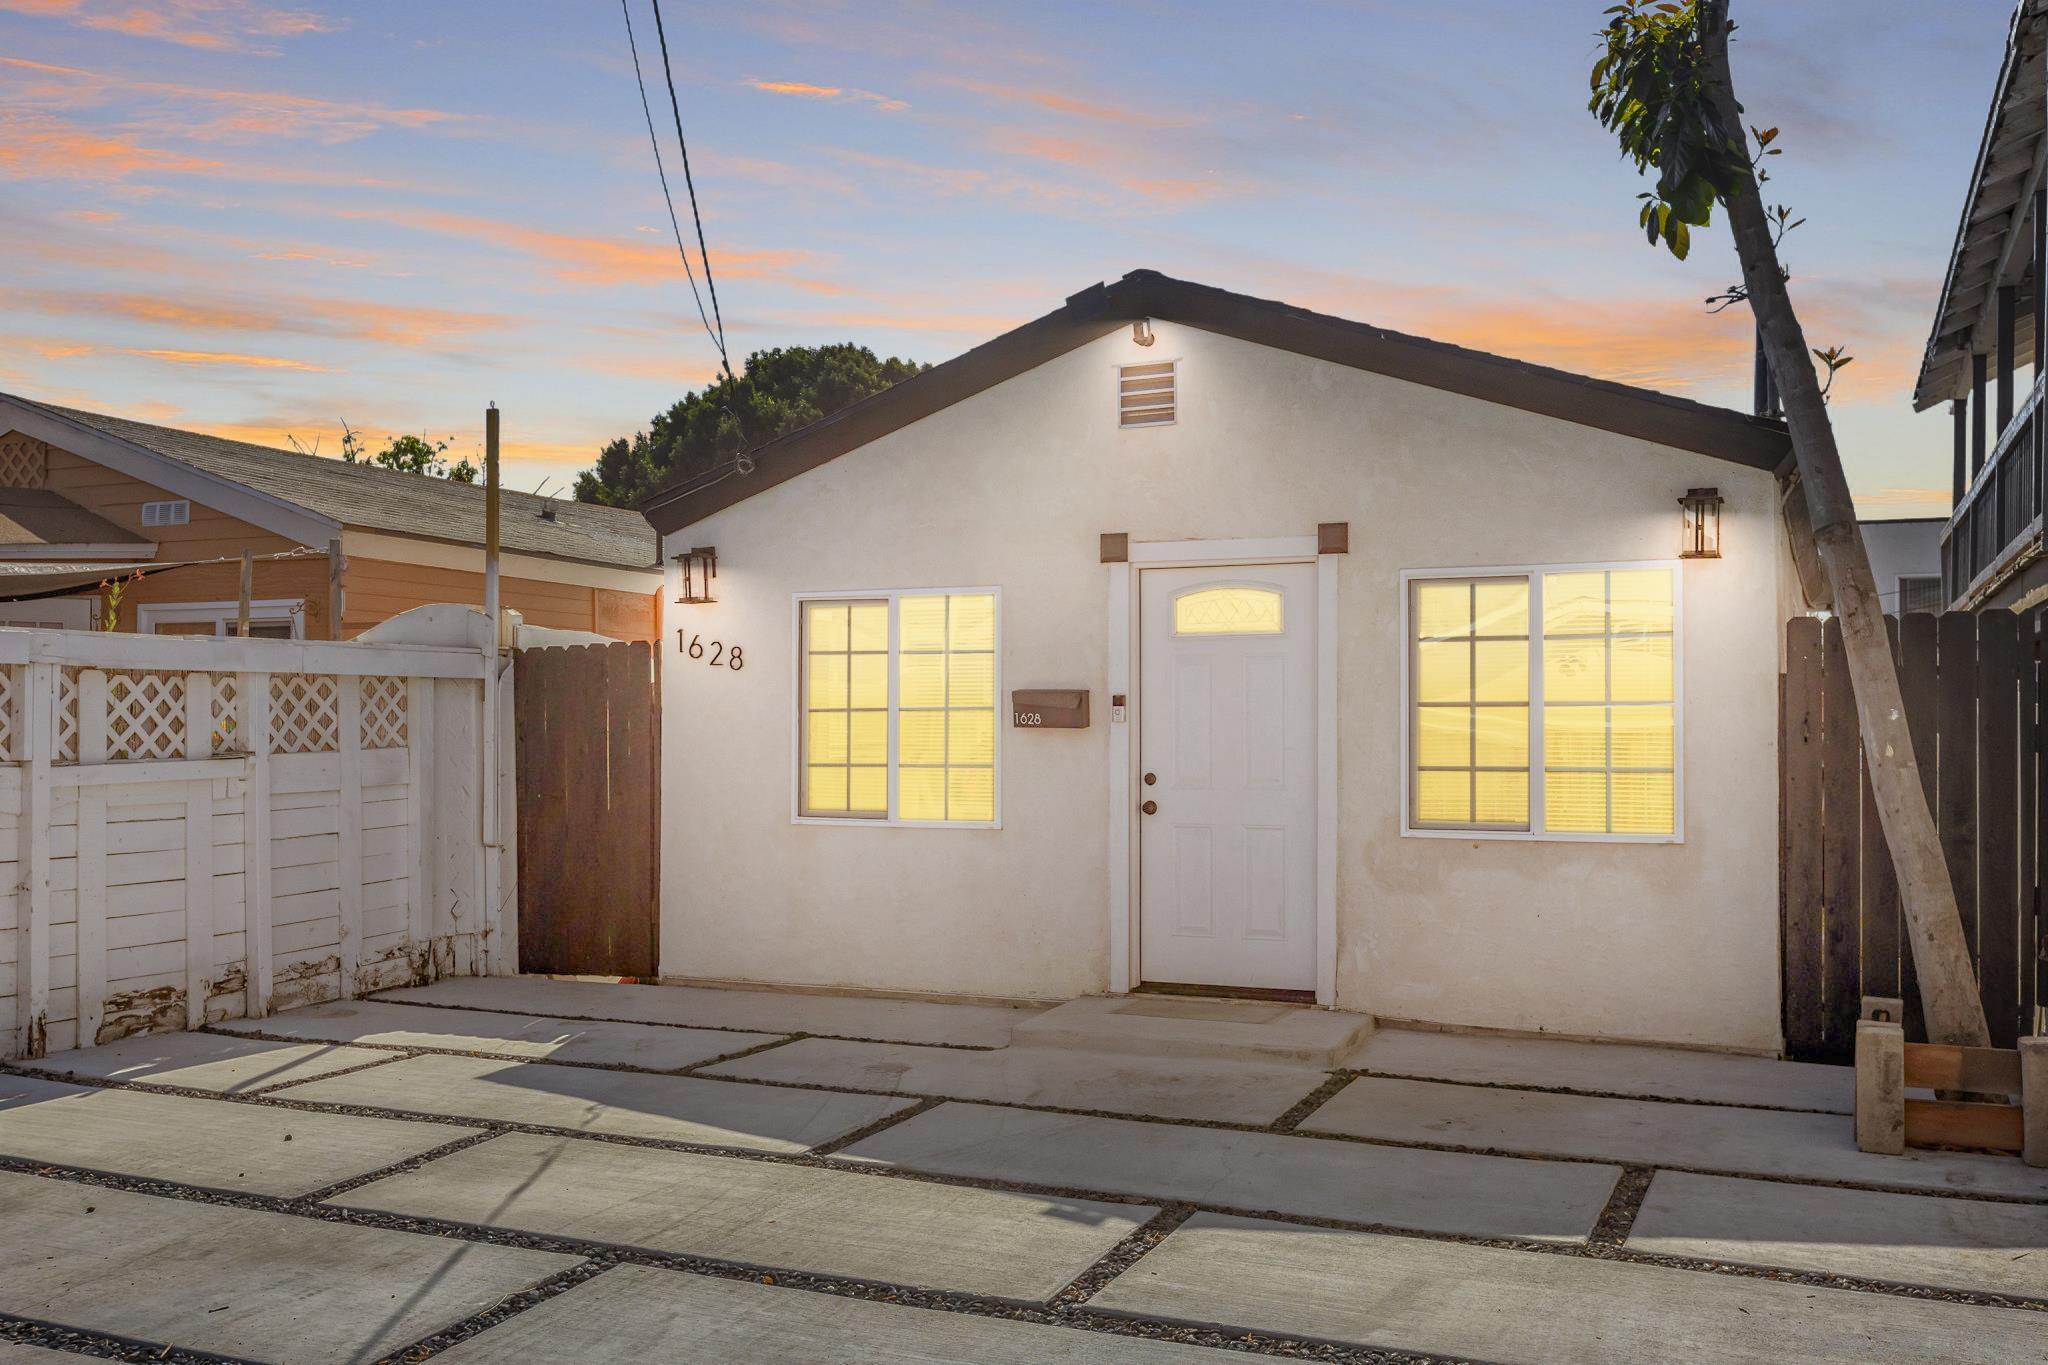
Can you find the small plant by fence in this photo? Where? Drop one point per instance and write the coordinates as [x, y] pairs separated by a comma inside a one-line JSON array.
[[1973, 691]]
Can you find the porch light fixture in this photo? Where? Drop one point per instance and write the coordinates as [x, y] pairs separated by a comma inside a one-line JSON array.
[[700, 566], [1700, 516], [1141, 332]]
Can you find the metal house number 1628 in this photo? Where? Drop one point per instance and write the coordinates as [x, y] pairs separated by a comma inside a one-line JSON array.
[[715, 654]]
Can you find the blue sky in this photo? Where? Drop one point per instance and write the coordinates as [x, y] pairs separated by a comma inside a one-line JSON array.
[[261, 219]]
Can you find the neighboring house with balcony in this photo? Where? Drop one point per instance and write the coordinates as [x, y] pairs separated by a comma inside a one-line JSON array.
[[89, 500], [1984, 358], [1905, 559]]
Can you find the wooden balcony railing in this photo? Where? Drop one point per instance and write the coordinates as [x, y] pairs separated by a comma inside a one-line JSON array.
[[1996, 530]]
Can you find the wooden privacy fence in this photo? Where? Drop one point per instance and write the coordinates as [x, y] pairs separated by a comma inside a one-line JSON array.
[[589, 773], [198, 829], [1972, 688]]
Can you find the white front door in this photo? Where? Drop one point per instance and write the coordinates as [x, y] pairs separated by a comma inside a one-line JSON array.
[[1227, 746]]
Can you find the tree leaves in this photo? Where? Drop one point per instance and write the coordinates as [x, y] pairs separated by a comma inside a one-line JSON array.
[[777, 392]]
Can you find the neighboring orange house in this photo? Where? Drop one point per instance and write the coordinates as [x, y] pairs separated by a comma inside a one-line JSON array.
[[86, 499]]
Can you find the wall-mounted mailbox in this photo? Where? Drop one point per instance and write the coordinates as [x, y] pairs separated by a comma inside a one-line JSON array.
[[1049, 708]]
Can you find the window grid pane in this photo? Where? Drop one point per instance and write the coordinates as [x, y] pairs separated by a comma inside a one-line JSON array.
[[1609, 693], [846, 702], [946, 707], [1469, 731]]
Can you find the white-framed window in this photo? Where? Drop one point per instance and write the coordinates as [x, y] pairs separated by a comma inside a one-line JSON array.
[[270, 618], [1543, 702], [898, 699]]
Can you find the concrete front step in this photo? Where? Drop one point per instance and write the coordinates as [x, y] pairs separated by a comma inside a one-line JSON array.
[[1180, 1026]]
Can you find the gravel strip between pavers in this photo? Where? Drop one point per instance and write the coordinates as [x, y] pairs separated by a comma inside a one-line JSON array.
[[1592, 1249], [98, 1345], [1616, 1221]]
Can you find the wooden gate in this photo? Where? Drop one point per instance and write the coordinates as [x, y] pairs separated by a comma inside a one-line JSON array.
[[588, 771], [1972, 686]]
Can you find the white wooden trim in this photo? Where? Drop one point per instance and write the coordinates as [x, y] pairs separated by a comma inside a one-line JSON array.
[[1326, 778], [237, 500], [210, 654], [437, 554], [88, 775], [1536, 833], [199, 898], [349, 843], [419, 743], [32, 938], [149, 615], [1197, 554], [1126, 675], [252, 691], [892, 596], [1123, 872], [92, 859]]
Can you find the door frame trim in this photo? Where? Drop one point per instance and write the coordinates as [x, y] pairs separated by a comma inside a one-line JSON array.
[[1124, 906]]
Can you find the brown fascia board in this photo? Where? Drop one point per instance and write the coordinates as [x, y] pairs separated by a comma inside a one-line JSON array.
[[1660, 418], [1087, 315]]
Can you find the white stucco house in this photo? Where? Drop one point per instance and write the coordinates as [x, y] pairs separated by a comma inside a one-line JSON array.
[[1185, 639]]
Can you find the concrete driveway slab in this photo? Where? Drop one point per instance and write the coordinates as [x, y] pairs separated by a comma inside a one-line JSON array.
[[526, 1036], [204, 1061], [1515, 1306], [1266, 1172], [1707, 1137], [1906, 1238], [1229, 1092], [20, 1353], [249, 1148], [618, 1103], [237, 1281], [845, 1016], [631, 1314], [766, 1214], [1614, 1068]]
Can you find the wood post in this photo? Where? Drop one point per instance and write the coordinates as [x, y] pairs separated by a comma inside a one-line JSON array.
[[91, 861], [349, 844], [2007, 311], [337, 598], [248, 590], [199, 899], [1959, 409], [1880, 1087], [1977, 451]]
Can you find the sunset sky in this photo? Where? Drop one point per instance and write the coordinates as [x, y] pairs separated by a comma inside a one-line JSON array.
[[259, 220]]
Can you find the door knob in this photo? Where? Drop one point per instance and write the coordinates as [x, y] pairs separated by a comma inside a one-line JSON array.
[[1150, 778], [1150, 808]]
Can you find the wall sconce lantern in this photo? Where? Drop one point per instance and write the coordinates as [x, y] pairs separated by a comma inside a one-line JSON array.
[[700, 566], [1141, 332], [1700, 512]]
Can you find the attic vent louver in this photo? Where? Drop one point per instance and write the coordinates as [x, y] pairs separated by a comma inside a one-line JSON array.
[[1145, 394], [166, 513]]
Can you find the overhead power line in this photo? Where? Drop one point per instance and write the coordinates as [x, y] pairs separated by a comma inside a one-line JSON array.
[[717, 334]]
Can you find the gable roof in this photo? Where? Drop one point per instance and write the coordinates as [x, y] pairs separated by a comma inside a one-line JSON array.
[[1103, 308], [370, 498], [2008, 168]]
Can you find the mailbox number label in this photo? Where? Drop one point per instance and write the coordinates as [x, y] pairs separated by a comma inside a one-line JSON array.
[[1027, 718], [715, 655]]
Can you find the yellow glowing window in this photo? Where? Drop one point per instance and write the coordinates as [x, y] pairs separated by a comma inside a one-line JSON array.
[[1577, 666], [1610, 734], [1469, 674], [1228, 611], [845, 709], [942, 768]]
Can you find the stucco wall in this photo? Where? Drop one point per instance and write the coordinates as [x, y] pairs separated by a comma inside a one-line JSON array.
[[1012, 488]]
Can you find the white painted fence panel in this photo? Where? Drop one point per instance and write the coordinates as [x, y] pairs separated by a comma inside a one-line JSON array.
[[196, 829]]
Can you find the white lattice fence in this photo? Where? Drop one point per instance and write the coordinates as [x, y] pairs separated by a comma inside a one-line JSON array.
[[207, 828]]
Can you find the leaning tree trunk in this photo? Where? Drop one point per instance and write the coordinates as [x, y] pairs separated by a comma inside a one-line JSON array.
[[1948, 987]]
